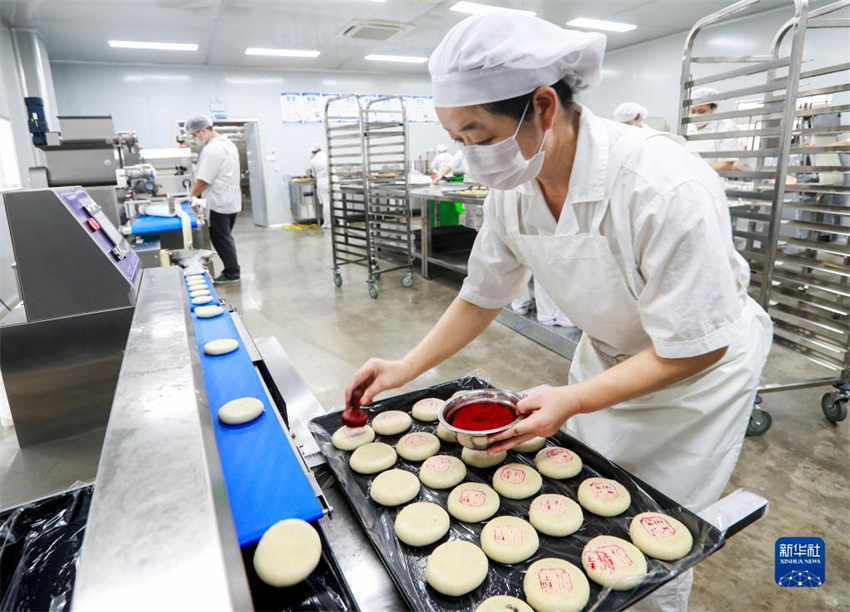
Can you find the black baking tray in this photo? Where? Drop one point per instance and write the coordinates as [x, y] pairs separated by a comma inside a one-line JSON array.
[[406, 565]]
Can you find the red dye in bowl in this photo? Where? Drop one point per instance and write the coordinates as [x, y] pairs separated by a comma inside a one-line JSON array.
[[482, 416]]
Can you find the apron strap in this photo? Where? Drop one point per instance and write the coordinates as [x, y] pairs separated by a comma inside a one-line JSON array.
[[511, 212]]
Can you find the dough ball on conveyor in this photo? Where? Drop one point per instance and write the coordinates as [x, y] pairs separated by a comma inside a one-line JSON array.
[[241, 410], [503, 603], [421, 524], [508, 539], [517, 481], [456, 568], [196, 280], [480, 459], [473, 502], [221, 346], [203, 299], [445, 434], [442, 472], [555, 585], [351, 438], [558, 463], [418, 446], [531, 446], [199, 292], [555, 515], [394, 488], [427, 409], [660, 536], [208, 312], [613, 562], [603, 497], [287, 553], [391, 423], [372, 458]]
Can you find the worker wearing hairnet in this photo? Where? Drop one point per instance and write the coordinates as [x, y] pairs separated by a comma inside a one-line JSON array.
[[217, 179], [442, 159], [631, 113], [630, 236], [704, 127], [319, 168]]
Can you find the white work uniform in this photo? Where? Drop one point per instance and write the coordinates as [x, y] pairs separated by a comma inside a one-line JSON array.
[[441, 160], [218, 165], [711, 146], [319, 166], [644, 258]]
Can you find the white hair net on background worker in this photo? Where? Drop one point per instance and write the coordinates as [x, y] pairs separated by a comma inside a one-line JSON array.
[[709, 127], [195, 123], [631, 113], [441, 148], [603, 216]]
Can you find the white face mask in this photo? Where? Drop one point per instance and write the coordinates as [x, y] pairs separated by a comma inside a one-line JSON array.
[[501, 165]]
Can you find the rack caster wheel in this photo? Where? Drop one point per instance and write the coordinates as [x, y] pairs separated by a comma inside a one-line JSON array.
[[373, 291], [834, 407], [760, 422], [407, 280], [337, 279]]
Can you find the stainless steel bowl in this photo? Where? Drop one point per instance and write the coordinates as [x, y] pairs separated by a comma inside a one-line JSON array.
[[477, 440]]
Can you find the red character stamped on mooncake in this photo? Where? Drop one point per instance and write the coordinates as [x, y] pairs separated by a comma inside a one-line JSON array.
[[438, 464], [472, 497], [555, 580], [560, 455], [507, 535], [604, 490], [658, 526], [512, 475], [608, 559]]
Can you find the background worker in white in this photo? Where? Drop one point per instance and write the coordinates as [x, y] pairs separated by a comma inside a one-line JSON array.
[[631, 113], [319, 167], [217, 179], [442, 159], [628, 233], [707, 126]]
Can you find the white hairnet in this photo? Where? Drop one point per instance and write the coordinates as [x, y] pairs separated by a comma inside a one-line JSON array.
[[627, 111], [442, 148], [703, 92], [501, 55], [196, 123], [316, 147]]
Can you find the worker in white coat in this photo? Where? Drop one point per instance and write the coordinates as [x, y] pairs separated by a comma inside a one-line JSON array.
[[442, 159], [628, 233], [704, 127], [631, 113], [319, 168]]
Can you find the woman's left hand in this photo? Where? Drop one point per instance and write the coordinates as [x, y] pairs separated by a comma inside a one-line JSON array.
[[545, 412]]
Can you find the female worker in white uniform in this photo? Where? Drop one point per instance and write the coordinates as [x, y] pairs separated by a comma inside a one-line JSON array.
[[628, 233]]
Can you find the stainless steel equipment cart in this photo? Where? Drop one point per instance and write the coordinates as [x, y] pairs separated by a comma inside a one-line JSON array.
[[789, 189], [367, 164]]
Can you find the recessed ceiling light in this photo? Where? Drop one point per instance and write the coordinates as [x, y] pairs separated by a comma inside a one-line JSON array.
[[474, 8], [402, 59], [281, 52], [160, 46], [599, 24]]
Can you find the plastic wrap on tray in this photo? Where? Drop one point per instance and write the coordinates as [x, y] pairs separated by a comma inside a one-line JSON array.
[[39, 547], [406, 564]]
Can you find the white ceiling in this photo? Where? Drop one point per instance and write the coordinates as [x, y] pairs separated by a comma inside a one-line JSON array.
[[79, 30]]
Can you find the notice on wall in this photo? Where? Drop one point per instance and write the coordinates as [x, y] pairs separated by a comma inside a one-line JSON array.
[[313, 108], [291, 108], [301, 107]]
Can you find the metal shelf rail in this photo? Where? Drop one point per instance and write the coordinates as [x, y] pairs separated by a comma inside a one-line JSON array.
[[368, 218], [789, 190]]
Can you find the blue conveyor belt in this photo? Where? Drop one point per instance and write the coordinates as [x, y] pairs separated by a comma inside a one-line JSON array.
[[148, 224], [264, 479]]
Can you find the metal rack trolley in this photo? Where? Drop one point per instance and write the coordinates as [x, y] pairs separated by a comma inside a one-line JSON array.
[[370, 210], [789, 191]]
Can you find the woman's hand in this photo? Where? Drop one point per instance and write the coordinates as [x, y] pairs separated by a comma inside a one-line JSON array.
[[545, 412], [378, 375]]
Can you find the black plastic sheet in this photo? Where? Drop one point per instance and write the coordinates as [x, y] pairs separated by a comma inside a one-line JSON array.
[[39, 548], [406, 564]]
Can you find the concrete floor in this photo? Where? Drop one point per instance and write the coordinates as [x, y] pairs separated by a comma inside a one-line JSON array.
[[800, 466]]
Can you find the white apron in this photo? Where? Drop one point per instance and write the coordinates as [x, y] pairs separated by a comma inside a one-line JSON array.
[[683, 440]]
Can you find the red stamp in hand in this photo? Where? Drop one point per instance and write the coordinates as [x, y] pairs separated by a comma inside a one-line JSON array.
[[438, 464], [512, 475], [553, 505], [608, 559], [472, 497], [507, 535], [604, 490], [555, 580], [658, 526], [560, 455]]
